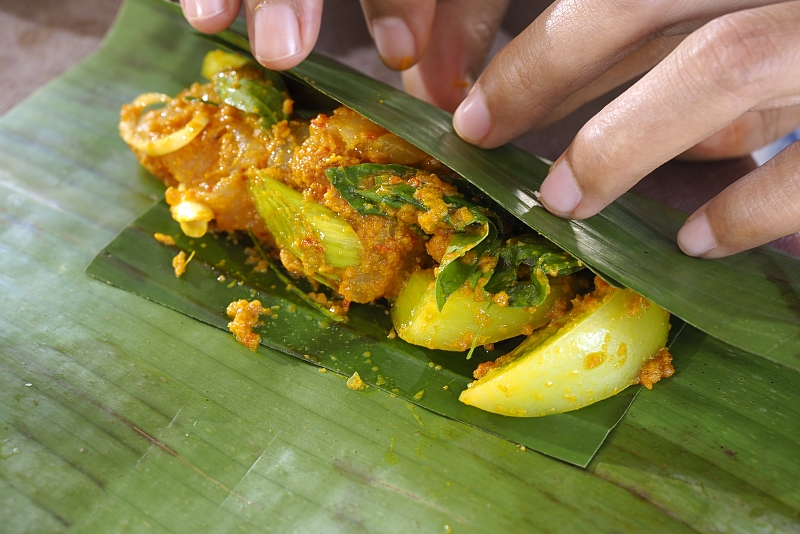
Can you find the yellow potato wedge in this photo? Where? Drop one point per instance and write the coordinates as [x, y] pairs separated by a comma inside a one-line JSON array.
[[588, 355], [418, 321]]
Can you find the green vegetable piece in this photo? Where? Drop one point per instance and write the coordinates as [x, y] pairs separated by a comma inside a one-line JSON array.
[[455, 269], [291, 220], [291, 285], [257, 96], [542, 259], [367, 187], [462, 321], [479, 234], [219, 60], [251, 89]]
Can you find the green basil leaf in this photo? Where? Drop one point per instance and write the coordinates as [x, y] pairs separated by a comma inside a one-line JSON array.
[[542, 258], [263, 97], [364, 187], [453, 270]]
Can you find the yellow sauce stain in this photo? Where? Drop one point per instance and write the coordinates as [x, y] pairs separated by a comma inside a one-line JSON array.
[[390, 457], [595, 359], [416, 416], [180, 262], [164, 239], [636, 306], [355, 383], [246, 316], [622, 354], [261, 267]]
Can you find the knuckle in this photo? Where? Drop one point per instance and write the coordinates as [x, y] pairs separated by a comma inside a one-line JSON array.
[[735, 54], [518, 76], [629, 7], [599, 154], [762, 206]]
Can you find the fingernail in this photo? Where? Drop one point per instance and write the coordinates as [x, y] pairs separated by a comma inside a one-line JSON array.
[[204, 9], [695, 238], [395, 42], [472, 120], [277, 33], [560, 192]]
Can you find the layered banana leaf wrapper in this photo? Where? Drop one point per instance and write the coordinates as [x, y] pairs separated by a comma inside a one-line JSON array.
[[749, 301], [119, 414]]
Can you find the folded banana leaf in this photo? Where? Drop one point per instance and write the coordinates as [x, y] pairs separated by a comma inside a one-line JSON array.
[[749, 300], [122, 415], [219, 274]]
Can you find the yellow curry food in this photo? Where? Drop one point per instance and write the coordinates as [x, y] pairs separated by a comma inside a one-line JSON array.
[[356, 209]]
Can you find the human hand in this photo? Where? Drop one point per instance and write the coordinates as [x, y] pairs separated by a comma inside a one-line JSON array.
[[711, 82], [730, 86], [451, 37], [282, 32]]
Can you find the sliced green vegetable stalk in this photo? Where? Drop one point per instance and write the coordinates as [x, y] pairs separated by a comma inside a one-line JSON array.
[[292, 285], [240, 83], [313, 233], [590, 354]]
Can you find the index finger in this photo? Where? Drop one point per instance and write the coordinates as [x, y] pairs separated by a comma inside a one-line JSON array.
[[210, 16], [732, 65], [282, 32], [565, 48]]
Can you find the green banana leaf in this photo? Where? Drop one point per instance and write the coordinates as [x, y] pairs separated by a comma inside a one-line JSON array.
[[119, 414], [219, 274], [430, 379]]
